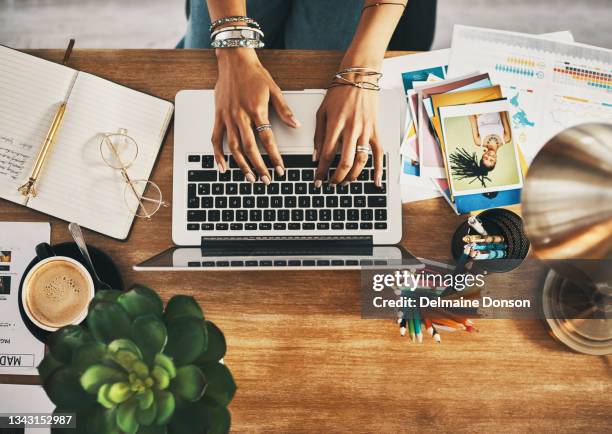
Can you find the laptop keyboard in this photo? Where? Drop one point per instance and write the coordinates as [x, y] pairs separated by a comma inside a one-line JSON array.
[[227, 202]]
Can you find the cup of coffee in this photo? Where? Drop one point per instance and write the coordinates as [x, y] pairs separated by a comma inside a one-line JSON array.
[[56, 291]]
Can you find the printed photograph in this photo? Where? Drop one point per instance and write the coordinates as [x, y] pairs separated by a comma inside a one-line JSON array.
[[480, 152], [5, 256], [5, 285]]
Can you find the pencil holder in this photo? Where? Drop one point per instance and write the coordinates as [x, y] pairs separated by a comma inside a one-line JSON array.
[[499, 255]]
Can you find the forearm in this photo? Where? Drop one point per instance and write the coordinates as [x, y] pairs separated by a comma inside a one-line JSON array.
[[373, 34], [225, 8]]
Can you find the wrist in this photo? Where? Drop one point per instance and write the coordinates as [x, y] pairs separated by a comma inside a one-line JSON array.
[[230, 56], [362, 60]]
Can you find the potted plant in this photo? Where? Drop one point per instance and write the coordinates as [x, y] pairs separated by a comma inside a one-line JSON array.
[[137, 368]]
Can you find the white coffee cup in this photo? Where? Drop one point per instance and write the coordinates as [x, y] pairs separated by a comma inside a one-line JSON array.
[[56, 292]]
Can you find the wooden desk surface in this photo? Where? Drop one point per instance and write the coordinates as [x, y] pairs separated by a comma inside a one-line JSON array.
[[302, 357]]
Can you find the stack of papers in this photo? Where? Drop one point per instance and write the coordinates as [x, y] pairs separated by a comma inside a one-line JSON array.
[[477, 114]]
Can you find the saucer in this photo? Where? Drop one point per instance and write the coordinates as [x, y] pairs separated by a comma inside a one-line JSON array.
[[106, 268]]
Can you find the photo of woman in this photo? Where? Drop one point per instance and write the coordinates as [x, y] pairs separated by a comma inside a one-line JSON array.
[[481, 155], [491, 131]]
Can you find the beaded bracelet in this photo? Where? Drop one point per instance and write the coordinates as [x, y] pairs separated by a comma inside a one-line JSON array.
[[237, 43], [234, 19]]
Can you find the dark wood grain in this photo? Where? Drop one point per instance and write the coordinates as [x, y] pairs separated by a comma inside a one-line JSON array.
[[303, 358]]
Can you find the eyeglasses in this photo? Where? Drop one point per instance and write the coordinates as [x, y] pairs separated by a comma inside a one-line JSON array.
[[119, 151]]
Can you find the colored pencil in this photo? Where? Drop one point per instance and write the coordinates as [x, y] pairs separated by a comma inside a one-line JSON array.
[[448, 323], [417, 324], [411, 324], [445, 328], [428, 325]]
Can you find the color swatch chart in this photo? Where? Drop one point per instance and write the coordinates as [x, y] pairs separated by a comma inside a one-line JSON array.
[[520, 66], [581, 76]]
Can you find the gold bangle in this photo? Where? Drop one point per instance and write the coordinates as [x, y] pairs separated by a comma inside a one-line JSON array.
[[365, 85]]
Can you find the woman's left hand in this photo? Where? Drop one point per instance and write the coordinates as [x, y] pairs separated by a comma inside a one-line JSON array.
[[347, 119]]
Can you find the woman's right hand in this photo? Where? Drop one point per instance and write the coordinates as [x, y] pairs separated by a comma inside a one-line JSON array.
[[243, 93]]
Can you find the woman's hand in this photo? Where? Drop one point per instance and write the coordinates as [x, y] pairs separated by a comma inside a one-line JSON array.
[[243, 92], [347, 118]]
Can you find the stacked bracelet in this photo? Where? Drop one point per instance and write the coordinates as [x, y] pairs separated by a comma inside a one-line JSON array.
[[340, 78], [247, 36], [249, 22]]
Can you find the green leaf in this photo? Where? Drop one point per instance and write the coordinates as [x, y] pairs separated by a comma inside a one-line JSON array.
[[48, 366], [146, 416], [119, 392], [216, 348], [187, 339], [99, 420], [108, 321], [124, 344], [182, 306], [97, 375], [166, 363], [189, 383], [64, 389], [125, 359], [190, 418], [103, 398], [87, 355], [221, 386], [219, 417], [153, 429], [161, 377], [126, 416], [149, 333], [141, 369], [109, 295], [140, 301], [66, 340], [146, 399], [165, 406]]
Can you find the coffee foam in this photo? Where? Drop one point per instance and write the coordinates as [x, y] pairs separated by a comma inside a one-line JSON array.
[[57, 293]]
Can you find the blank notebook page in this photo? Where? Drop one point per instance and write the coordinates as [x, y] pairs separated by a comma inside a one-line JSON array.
[[76, 184], [31, 90]]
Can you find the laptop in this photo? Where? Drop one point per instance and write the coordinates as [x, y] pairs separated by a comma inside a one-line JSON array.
[[221, 221]]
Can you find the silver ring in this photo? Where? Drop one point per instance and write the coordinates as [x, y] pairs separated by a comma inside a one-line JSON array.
[[263, 127], [365, 149]]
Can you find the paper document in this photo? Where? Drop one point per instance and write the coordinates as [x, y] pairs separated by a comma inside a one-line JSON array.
[[551, 85], [20, 352]]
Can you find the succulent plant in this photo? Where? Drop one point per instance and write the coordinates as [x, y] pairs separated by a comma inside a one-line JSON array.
[[137, 368]]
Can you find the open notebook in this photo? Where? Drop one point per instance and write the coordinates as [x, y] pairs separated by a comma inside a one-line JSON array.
[[75, 185]]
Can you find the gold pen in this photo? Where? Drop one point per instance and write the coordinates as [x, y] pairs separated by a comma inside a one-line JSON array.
[[29, 188]]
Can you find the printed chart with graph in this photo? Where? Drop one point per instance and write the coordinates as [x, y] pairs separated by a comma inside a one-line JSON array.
[[567, 111], [582, 76]]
